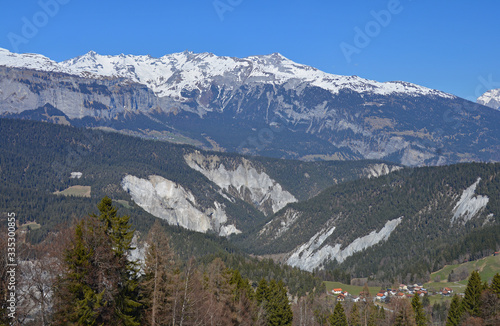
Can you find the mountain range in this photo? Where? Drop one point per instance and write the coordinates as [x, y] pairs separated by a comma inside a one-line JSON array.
[[266, 105]]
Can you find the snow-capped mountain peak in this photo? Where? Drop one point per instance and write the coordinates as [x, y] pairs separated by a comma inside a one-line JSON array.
[[172, 73], [490, 98]]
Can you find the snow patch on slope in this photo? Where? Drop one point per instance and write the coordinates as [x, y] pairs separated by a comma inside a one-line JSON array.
[[310, 256], [169, 201], [260, 187], [469, 205]]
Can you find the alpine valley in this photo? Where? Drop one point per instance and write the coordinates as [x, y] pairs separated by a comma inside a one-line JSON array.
[[257, 156], [368, 218]]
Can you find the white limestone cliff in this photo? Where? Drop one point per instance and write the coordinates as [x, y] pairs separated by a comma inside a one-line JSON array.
[[169, 201], [313, 254], [244, 182]]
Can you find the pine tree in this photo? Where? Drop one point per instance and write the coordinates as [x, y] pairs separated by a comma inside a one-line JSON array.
[[418, 310], [262, 293], [354, 319], [100, 283], [338, 317], [373, 315], [279, 312], [382, 314], [472, 299], [85, 293], [455, 312], [495, 284], [121, 233]]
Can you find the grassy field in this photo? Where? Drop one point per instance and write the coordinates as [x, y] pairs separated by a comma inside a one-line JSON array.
[[30, 226], [354, 290], [487, 267], [78, 191], [124, 203]]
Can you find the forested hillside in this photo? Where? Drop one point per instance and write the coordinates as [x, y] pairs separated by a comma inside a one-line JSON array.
[[37, 159], [420, 218]]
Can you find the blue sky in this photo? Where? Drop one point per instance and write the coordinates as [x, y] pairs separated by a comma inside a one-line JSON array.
[[453, 46]]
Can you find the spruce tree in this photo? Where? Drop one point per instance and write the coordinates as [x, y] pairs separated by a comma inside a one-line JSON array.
[[338, 317], [418, 310], [85, 293], [354, 319], [471, 302], [495, 284], [382, 314], [279, 312], [455, 312], [262, 293], [99, 285], [121, 233]]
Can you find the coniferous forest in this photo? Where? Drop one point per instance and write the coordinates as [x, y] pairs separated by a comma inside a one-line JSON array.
[[87, 274], [79, 256]]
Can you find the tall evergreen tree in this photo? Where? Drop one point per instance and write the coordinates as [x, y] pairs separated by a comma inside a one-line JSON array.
[[279, 312], [121, 233], [455, 312], [471, 303], [262, 292], [354, 319], [99, 285], [495, 284], [418, 310], [85, 293], [382, 315], [338, 317]]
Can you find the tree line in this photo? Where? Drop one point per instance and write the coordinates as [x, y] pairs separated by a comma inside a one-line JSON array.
[[89, 276]]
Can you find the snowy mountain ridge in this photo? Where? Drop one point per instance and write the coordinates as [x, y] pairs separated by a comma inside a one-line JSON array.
[[171, 74], [490, 98]]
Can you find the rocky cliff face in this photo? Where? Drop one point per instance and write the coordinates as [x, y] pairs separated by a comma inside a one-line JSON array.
[[170, 201], [77, 97], [314, 253], [242, 181]]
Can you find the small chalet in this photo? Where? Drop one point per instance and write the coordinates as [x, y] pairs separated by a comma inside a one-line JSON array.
[[341, 297], [337, 291]]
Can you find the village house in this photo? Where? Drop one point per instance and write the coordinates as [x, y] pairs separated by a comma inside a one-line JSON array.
[[337, 291]]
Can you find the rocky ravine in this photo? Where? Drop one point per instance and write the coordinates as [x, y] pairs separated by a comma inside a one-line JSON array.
[[243, 182]]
